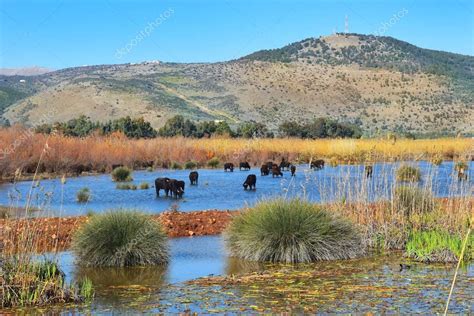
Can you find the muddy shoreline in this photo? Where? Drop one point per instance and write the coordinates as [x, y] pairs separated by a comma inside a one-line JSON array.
[[55, 233]]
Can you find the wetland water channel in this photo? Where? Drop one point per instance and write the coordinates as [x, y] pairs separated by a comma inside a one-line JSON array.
[[223, 190]]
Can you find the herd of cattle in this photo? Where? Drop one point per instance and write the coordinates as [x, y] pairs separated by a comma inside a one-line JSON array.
[[176, 187]]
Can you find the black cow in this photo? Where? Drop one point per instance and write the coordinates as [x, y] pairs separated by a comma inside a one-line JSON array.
[[193, 177], [284, 164], [293, 170], [162, 184], [317, 164], [250, 182], [244, 165], [229, 166], [369, 170], [264, 171], [176, 188], [276, 171], [270, 165]]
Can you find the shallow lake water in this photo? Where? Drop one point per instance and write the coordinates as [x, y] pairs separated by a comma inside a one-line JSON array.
[[373, 284], [223, 190]]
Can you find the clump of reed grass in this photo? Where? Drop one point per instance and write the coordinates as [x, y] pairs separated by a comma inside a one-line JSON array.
[[292, 231], [190, 165], [408, 174], [176, 165], [122, 174], [144, 186], [437, 160], [121, 238], [126, 186], [4, 212], [213, 162], [149, 169], [411, 201], [25, 283], [83, 195], [438, 246]]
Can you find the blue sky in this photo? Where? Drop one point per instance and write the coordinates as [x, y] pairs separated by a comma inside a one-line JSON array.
[[65, 33]]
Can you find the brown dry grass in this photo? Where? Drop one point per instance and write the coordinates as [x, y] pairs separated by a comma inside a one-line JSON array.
[[22, 150]]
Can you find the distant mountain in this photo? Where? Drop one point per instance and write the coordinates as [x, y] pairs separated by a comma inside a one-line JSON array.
[[28, 71], [378, 82]]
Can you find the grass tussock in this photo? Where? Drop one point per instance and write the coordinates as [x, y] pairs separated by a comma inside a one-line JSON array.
[[408, 174], [122, 174], [83, 195], [100, 153], [121, 238], [438, 246], [413, 201], [292, 231], [144, 186], [24, 283]]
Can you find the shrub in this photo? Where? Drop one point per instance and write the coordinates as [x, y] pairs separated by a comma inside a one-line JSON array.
[[438, 246], [412, 200], [83, 195], [122, 174], [292, 231], [176, 165], [144, 186], [408, 174], [190, 165], [213, 162], [437, 160], [121, 238]]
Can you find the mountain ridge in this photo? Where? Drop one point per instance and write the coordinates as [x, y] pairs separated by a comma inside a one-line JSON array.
[[381, 82]]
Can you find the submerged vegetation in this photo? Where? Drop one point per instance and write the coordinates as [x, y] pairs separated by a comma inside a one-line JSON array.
[[292, 231], [121, 238]]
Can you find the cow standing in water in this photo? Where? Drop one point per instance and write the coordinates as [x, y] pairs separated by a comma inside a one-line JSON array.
[[244, 165], [250, 182], [276, 171], [293, 170], [317, 164], [229, 166], [284, 164], [193, 177], [264, 171], [369, 170]]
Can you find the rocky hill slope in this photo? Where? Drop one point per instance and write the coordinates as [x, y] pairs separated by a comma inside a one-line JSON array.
[[379, 82]]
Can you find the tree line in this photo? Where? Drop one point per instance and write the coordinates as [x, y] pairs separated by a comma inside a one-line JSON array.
[[180, 126]]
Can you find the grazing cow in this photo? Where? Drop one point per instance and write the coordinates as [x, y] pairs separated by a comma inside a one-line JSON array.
[[177, 188], [369, 170], [244, 165], [193, 177], [284, 164], [293, 170], [250, 182], [264, 171], [162, 184], [229, 166], [269, 165], [317, 164], [276, 171], [462, 175]]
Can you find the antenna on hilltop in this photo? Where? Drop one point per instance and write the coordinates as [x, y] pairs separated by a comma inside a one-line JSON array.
[[346, 24]]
